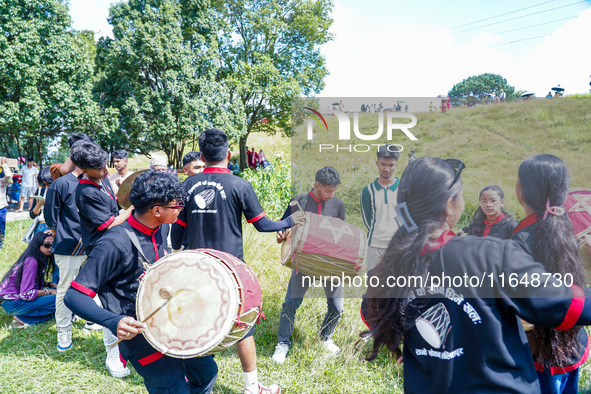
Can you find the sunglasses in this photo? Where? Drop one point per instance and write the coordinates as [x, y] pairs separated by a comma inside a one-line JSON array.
[[180, 205], [47, 246], [458, 166]]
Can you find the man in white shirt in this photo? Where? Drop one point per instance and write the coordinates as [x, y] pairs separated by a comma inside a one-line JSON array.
[[29, 173], [120, 161]]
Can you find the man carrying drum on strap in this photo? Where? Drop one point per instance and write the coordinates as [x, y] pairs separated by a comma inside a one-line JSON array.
[[113, 269], [213, 219], [320, 200]]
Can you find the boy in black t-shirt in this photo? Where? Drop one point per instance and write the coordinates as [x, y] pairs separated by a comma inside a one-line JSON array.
[[319, 200], [99, 211], [213, 219], [113, 269]]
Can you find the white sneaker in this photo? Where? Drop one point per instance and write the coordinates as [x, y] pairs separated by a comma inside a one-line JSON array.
[[114, 364], [260, 389], [64, 340], [90, 327], [280, 352], [330, 346]]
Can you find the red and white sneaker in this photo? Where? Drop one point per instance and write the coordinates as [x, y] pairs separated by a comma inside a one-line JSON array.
[[272, 389]]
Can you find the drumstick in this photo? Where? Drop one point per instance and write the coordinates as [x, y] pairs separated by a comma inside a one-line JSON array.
[[294, 203], [163, 293]]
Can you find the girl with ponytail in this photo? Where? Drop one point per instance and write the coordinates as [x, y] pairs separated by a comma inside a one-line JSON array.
[[547, 235], [449, 299]]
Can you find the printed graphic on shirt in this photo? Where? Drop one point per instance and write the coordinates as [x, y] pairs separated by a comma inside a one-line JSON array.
[[206, 199], [434, 325]]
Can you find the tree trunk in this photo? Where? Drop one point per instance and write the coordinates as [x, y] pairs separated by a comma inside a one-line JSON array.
[[243, 156]]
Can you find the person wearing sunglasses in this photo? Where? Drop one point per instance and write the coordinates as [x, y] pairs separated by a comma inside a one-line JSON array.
[[112, 272], [26, 291], [461, 334]]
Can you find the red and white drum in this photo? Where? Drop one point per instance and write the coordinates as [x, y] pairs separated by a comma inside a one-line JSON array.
[[216, 299], [324, 246], [578, 209]]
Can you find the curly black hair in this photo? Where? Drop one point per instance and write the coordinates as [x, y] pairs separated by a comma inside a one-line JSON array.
[[328, 176], [152, 188], [87, 155]]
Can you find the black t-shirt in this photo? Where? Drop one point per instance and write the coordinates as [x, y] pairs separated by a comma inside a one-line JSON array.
[[97, 206], [213, 211], [334, 208], [113, 268], [525, 235], [462, 343], [61, 215]]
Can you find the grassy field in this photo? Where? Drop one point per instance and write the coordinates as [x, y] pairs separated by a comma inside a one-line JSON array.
[[492, 140], [30, 362]]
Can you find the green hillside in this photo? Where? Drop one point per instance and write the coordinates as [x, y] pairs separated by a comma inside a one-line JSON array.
[[491, 139]]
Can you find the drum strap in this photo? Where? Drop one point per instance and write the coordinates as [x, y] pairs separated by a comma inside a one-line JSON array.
[[136, 242]]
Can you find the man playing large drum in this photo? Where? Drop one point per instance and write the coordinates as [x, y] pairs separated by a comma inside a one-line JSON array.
[[320, 200], [213, 219], [113, 269]]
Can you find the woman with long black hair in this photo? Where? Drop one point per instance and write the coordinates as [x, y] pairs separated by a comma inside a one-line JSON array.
[[455, 302], [547, 234], [24, 292]]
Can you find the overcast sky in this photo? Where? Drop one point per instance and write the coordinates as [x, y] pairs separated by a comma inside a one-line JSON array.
[[417, 48]]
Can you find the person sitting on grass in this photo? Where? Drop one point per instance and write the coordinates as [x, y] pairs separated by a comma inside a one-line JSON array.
[[490, 218], [24, 292]]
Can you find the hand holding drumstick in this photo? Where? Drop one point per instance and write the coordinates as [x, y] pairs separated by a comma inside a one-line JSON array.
[[128, 328]]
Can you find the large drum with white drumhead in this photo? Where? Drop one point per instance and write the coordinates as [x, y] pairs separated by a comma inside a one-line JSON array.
[[216, 299], [324, 246]]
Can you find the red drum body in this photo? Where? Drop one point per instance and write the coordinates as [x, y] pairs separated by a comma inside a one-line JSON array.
[[216, 299], [324, 246], [578, 209]]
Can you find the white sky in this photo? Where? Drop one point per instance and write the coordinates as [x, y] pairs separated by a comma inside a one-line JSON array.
[[394, 48]]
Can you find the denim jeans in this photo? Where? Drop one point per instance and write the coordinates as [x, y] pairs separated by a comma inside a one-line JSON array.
[[293, 299], [565, 383], [37, 311]]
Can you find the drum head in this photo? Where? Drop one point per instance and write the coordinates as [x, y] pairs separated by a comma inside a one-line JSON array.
[[203, 307]]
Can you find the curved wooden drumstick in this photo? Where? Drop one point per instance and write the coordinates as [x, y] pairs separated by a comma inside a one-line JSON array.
[[164, 293]]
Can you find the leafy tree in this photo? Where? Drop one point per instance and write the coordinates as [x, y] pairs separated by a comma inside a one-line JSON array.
[[270, 54], [159, 74], [481, 85], [45, 76]]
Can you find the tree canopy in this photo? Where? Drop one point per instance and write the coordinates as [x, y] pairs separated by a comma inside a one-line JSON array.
[[159, 74], [270, 52], [45, 76], [481, 85]]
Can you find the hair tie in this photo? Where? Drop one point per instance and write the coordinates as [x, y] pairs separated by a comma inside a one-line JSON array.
[[554, 210], [404, 219]]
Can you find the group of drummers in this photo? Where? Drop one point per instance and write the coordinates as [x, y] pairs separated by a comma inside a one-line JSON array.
[[454, 338]]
